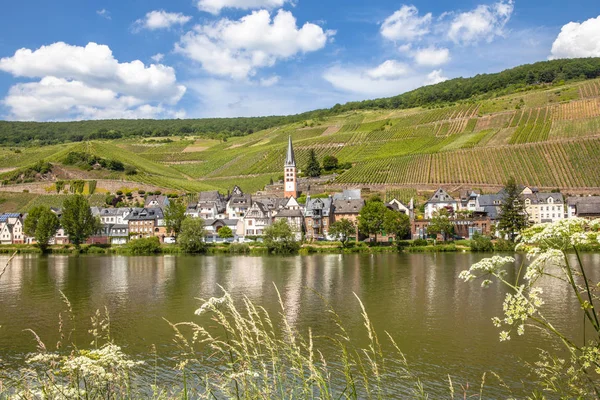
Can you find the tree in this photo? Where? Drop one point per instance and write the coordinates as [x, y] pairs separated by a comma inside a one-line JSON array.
[[78, 221], [342, 230], [191, 236], [280, 239], [330, 163], [313, 169], [370, 219], [41, 223], [440, 224], [397, 224], [225, 233], [513, 218], [174, 216]]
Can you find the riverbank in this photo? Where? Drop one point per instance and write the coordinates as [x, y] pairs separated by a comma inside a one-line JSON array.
[[259, 249]]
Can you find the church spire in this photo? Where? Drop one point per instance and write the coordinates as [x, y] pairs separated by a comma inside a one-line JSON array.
[[290, 160]]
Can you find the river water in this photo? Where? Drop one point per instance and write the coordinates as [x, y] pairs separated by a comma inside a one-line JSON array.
[[443, 325]]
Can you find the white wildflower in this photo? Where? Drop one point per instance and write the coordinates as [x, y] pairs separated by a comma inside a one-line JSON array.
[[543, 260], [504, 336]]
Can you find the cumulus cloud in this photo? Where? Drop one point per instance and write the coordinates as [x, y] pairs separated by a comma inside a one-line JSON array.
[[104, 13], [238, 48], [215, 6], [435, 77], [485, 22], [390, 69], [158, 57], [361, 81], [86, 82], [577, 40], [160, 19], [406, 24], [432, 56]]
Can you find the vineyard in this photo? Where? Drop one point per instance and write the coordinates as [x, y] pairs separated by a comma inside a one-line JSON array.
[[548, 137]]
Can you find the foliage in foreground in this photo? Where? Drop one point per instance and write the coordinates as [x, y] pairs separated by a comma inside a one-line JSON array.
[[551, 249]]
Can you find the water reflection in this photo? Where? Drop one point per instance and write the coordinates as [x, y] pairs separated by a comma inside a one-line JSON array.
[[442, 324]]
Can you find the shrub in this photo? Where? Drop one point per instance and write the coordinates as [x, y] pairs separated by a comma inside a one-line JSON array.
[[480, 243], [144, 246], [419, 242], [239, 248], [504, 245]]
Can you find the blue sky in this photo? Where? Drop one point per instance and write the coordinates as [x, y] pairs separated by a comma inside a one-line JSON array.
[[76, 59]]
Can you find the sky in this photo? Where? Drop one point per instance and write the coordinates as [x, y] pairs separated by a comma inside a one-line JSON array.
[[105, 59]]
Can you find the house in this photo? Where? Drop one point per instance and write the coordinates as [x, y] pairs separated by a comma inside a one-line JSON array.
[[397, 205], [156, 201], [238, 204], [440, 200], [348, 209], [543, 207], [213, 226], [11, 229], [292, 213], [145, 223], [463, 227], [256, 219], [118, 233], [584, 207], [61, 236], [211, 205], [318, 217], [490, 205], [468, 200], [111, 216]]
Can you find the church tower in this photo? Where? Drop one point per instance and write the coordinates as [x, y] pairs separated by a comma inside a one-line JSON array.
[[290, 181]]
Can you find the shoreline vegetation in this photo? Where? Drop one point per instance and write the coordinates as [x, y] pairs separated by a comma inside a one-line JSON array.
[[260, 249]]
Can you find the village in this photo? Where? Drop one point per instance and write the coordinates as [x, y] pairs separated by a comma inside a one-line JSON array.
[[247, 216]]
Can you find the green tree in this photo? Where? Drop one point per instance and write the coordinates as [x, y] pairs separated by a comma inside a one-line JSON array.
[[149, 245], [397, 224], [513, 217], [370, 219], [41, 223], [313, 168], [330, 163], [441, 224], [225, 233], [280, 239], [191, 236], [174, 216], [78, 221], [343, 230]]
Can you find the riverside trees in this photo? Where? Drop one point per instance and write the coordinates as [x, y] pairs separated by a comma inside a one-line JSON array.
[[78, 221], [41, 223]]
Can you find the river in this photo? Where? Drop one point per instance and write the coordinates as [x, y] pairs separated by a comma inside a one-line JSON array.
[[443, 325]]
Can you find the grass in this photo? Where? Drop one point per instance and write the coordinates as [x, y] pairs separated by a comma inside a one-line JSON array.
[[233, 349]]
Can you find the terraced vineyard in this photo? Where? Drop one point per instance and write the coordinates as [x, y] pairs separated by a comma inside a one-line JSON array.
[[547, 138]]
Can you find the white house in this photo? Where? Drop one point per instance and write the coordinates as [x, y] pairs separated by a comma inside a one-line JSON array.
[[440, 199]]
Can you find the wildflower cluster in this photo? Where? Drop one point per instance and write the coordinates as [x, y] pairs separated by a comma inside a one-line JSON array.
[[487, 267], [517, 309]]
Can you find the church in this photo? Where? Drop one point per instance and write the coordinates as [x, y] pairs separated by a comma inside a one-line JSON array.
[[290, 173]]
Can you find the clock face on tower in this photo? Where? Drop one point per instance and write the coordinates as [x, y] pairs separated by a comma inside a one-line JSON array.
[[289, 186]]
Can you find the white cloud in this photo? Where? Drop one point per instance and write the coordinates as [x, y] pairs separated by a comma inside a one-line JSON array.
[[390, 69], [104, 13], [577, 40], [271, 81], [74, 79], [160, 19], [405, 24], [435, 77], [215, 6], [432, 56], [238, 48], [158, 57], [359, 81], [485, 22]]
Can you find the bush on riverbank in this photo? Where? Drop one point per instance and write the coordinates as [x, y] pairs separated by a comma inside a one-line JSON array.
[[143, 246]]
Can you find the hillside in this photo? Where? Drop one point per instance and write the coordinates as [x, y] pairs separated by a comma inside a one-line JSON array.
[[549, 137], [480, 87]]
